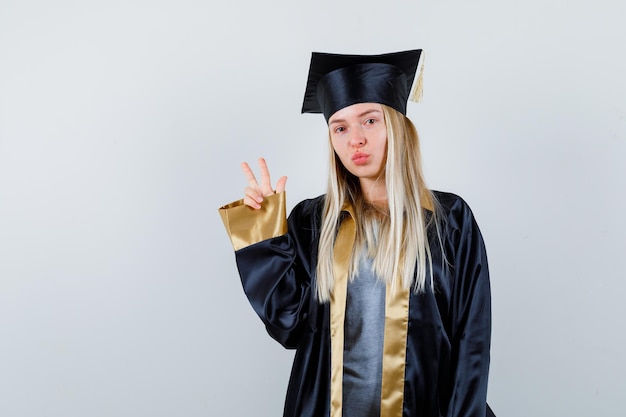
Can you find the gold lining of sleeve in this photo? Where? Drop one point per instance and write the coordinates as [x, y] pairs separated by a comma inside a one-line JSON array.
[[246, 226]]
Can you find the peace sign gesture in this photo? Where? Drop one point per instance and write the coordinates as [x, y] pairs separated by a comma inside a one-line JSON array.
[[255, 192]]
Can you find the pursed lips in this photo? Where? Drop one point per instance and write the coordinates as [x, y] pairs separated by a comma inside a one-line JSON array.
[[360, 158]]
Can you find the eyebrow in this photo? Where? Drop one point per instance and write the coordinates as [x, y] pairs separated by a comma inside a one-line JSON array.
[[365, 113]]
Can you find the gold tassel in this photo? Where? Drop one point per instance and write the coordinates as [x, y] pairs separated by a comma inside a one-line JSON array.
[[418, 85]]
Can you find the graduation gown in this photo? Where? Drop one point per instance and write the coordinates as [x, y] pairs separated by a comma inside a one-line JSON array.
[[436, 353]]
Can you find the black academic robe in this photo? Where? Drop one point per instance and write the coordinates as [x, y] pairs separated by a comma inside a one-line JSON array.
[[448, 341]]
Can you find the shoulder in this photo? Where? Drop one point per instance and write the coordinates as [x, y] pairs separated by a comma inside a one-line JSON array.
[[310, 204], [461, 238], [450, 203], [453, 211], [304, 224], [309, 210]]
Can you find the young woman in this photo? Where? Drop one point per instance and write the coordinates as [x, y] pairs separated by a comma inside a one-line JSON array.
[[381, 285]]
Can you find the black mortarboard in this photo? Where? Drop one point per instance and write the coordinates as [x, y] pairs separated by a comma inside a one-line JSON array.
[[337, 81]]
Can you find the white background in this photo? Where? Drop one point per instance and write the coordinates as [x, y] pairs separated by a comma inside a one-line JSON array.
[[122, 126]]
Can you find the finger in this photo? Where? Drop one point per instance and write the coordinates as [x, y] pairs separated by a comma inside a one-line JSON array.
[[249, 174], [280, 185], [266, 183], [253, 194], [251, 203]]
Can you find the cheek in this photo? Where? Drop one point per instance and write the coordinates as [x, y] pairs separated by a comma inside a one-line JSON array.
[[339, 150], [336, 151], [382, 144]]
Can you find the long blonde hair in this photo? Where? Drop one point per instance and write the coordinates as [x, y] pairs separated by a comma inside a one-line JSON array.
[[395, 237]]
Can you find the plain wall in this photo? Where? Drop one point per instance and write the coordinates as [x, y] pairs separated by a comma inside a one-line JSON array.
[[122, 126]]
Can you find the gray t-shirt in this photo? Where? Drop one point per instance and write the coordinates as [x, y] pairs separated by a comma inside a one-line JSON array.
[[363, 345]]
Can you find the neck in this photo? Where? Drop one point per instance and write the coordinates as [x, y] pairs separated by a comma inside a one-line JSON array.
[[375, 192]]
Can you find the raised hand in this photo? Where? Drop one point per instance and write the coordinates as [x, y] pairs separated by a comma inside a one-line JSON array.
[[255, 192]]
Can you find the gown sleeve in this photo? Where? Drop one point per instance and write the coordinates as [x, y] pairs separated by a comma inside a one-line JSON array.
[[471, 304], [270, 265]]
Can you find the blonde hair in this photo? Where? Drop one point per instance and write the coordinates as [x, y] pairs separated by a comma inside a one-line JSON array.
[[395, 237]]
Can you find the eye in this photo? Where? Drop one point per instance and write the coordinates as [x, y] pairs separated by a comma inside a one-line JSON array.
[[340, 129], [370, 121]]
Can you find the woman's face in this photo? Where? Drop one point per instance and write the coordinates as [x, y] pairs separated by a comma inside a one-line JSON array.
[[358, 134]]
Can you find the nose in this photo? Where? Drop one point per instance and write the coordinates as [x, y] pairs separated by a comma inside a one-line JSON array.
[[358, 140]]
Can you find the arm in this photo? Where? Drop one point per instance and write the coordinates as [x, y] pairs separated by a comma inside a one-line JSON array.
[[471, 304], [273, 276], [271, 271]]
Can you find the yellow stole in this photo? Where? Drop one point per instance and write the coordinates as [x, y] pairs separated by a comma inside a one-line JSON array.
[[396, 325]]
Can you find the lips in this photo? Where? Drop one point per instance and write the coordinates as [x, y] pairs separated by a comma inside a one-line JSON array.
[[360, 158]]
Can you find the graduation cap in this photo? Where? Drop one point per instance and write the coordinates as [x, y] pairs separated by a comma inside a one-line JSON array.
[[337, 81]]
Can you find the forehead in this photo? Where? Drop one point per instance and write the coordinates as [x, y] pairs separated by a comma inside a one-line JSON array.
[[355, 111]]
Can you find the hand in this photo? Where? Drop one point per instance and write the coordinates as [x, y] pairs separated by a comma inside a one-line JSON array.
[[255, 192]]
